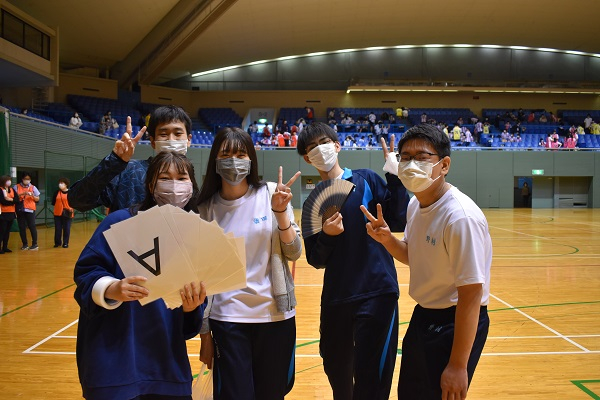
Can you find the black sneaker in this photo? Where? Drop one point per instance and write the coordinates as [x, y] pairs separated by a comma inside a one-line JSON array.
[[57, 245], [34, 247], [25, 248], [7, 250], [65, 246]]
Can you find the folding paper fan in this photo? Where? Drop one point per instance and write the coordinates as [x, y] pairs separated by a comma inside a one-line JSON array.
[[326, 199]]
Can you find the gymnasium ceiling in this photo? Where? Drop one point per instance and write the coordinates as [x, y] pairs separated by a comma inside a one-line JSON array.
[[116, 35]]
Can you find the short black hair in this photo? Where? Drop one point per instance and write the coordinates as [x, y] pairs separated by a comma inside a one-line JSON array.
[[25, 173], [431, 134], [314, 131], [64, 180], [165, 114]]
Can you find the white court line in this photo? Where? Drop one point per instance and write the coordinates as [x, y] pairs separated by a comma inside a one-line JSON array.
[[541, 324], [29, 350], [321, 285]]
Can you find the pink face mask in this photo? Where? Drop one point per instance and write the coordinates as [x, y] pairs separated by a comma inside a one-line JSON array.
[[176, 193]]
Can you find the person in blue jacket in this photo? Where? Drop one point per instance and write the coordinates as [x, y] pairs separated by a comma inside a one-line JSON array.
[[126, 350], [118, 181], [359, 302]]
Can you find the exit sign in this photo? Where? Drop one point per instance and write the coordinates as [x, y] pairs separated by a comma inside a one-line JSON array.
[[537, 172]]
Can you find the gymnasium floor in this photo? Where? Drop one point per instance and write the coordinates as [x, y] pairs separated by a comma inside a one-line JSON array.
[[544, 340]]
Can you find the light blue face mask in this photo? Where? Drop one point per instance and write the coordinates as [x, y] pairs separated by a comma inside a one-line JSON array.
[[233, 170]]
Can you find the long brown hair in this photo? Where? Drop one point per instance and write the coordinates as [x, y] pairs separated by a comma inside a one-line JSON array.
[[161, 163], [232, 139]]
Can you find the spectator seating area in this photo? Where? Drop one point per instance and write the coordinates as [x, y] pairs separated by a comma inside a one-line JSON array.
[[576, 117], [216, 118], [446, 115], [210, 120], [93, 108], [291, 115]]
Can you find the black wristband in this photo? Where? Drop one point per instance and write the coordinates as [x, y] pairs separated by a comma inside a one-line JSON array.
[[279, 212], [289, 226]]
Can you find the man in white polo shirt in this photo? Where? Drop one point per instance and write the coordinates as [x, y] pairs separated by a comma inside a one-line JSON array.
[[448, 249]]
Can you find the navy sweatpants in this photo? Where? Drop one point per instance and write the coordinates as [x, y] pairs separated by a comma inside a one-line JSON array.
[[359, 343], [253, 361], [426, 351]]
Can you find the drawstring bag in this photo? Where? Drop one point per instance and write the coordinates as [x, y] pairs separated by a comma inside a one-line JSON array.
[[202, 389]]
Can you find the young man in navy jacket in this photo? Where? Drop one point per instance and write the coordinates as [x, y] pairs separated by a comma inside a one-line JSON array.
[[359, 302]]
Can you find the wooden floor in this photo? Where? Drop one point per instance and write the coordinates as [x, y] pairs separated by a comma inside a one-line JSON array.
[[544, 341]]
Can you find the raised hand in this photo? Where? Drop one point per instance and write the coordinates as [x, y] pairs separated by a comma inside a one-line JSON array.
[[283, 193], [125, 147], [377, 228], [386, 152], [391, 162]]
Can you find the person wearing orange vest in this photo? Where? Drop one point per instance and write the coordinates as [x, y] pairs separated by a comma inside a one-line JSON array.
[[62, 223], [28, 196], [7, 212]]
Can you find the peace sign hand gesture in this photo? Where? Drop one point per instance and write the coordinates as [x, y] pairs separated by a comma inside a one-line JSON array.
[[125, 147], [391, 162], [377, 228], [283, 193]]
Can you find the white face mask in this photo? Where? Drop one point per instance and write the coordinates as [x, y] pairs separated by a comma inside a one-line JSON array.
[[416, 175], [62, 186], [323, 157], [26, 182], [178, 146]]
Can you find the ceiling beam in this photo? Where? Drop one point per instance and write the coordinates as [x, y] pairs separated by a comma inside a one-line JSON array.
[[172, 35]]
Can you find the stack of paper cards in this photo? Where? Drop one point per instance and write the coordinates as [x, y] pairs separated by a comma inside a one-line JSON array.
[[171, 248]]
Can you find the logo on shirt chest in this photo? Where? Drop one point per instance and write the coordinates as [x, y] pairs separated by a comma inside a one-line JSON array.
[[259, 220], [430, 240]]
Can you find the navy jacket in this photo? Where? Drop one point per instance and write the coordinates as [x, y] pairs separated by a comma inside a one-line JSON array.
[[133, 349], [356, 266], [113, 183]]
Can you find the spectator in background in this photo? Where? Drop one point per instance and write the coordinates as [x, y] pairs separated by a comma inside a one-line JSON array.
[[280, 139], [75, 121], [293, 139], [570, 143], [8, 199], [595, 128], [423, 118], [301, 123], [405, 111], [531, 117], [348, 142], [266, 131], [62, 220], [107, 122], [456, 131], [253, 129], [525, 193], [587, 122], [478, 130], [554, 118], [309, 114], [29, 195], [543, 118]]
